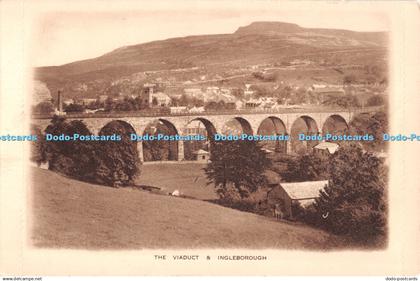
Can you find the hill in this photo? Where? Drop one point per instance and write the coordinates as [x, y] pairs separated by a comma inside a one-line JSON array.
[[223, 55], [72, 214]]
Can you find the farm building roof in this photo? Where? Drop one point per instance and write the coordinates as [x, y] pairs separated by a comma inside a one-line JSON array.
[[201, 151], [304, 190], [330, 146]]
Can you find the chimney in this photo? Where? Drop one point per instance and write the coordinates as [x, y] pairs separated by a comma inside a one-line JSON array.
[[59, 102]]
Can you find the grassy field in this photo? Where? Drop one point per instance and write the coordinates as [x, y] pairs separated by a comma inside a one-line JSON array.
[[72, 214], [189, 179]]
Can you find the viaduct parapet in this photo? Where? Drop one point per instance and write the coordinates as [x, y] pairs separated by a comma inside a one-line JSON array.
[[214, 121]]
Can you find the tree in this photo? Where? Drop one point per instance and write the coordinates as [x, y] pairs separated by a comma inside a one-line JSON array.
[[236, 166], [96, 105], [212, 105], [261, 90], [184, 100], [354, 200], [376, 125], [299, 97], [258, 75], [308, 167], [154, 101], [109, 104], [159, 150], [238, 93], [342, 101], [117, 162], [376, 100], [44, 107], [72, 158], [284, 93], [74, 108], [113, 163], [349, 79], [220, 105], [38, 154]]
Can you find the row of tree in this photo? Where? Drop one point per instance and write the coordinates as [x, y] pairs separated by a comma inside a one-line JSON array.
[[112, 163]]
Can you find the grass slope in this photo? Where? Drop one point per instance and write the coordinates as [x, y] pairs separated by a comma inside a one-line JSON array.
[[189, 179], [72, 214]]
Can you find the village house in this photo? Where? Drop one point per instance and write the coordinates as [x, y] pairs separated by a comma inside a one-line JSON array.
[[328, 91], [178, 109], [68, 101], [212, 90], [267, 102], [225, 91], [227, 98], [194, 93], [161, 99], [87, 101], [194, 131], [198, 109], [252, 103], [201, 156], [239, 104], [247, 92]]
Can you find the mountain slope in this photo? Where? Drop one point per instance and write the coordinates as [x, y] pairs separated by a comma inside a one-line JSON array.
[[257, 43]]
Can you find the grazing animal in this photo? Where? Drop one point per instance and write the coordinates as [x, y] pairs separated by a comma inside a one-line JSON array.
[[176, 193], [277, 212]]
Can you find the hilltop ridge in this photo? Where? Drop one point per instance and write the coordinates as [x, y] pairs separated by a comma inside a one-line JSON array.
[[269, 43]]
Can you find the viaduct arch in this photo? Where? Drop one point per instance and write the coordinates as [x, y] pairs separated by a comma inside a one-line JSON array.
[[316, 122]]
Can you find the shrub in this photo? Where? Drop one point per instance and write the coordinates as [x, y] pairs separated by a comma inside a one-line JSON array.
[[353, 203], [376, 125], [44, 107], [308, 167], [38, 154]]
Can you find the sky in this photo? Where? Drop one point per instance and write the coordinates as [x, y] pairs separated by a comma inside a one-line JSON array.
[[63, 37]]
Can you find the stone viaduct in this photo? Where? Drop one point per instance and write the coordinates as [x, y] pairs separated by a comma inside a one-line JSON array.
[[250, 121]]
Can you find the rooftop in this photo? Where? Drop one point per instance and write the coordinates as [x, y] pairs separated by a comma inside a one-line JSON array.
[[160, 95], [201, 151], [328, 90], [304, 190], [330, 146]]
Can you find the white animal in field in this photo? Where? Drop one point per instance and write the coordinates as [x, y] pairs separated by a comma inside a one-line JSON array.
[[176, 193], [277, 212]]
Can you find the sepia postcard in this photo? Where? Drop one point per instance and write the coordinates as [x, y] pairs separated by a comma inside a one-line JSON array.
[[250, 138]]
